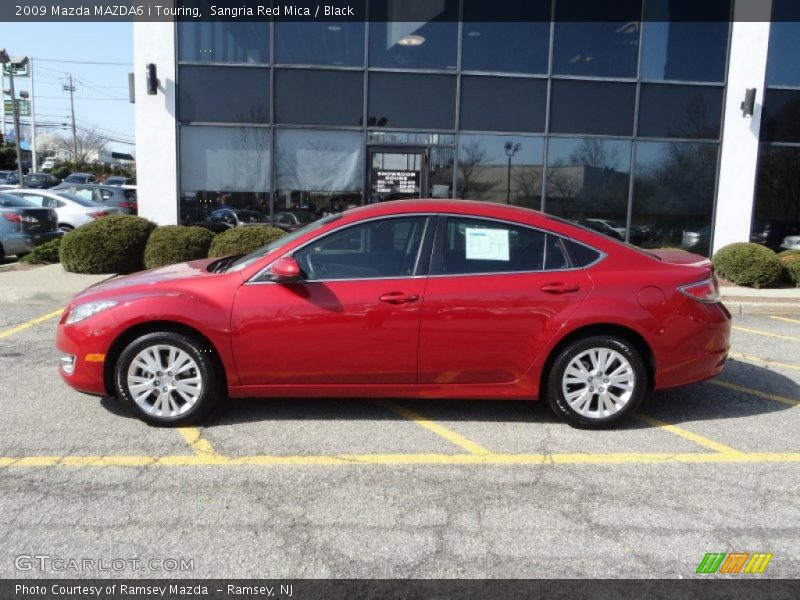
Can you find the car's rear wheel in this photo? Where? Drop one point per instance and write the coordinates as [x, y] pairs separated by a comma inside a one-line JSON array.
[[596, 381], [167, 378], [65, 228]]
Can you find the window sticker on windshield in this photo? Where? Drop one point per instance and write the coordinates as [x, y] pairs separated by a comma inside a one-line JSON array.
[[487, 244]]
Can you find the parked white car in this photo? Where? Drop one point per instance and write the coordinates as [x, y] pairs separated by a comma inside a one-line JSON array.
[[791, 242], [73, 211]]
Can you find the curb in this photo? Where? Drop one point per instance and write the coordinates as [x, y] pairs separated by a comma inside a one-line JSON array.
[[739, 307]]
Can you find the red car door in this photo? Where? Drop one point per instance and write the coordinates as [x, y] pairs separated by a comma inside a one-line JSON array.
[[355, 317], [497, 294]]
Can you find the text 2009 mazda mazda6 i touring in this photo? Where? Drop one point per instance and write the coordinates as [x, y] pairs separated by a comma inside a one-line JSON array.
[[416, 299]]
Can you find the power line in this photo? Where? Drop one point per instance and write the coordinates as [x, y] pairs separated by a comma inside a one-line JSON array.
[[83, 62]]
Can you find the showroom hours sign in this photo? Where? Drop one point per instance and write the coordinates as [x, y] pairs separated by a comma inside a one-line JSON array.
[[395, 182]]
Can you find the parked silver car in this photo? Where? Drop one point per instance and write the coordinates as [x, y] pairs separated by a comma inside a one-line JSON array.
[[73, 211], [23, 225]]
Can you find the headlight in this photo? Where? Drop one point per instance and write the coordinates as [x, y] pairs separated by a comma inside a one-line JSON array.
[[83, 311]]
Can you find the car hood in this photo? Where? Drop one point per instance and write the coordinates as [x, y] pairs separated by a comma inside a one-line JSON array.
[[138, 282]]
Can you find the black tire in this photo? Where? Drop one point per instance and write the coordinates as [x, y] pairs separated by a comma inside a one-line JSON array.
[[65, 228], [2, 252], [210, 376], [556, 383]]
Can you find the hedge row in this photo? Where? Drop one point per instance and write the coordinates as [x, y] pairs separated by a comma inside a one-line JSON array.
[[756, 266], [125, 244]]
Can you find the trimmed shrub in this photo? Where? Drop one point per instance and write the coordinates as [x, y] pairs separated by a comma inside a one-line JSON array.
[[113, 244], [748, 264], [176, 243], [788, 253], [791, 266], [45, 254], [242, 240]]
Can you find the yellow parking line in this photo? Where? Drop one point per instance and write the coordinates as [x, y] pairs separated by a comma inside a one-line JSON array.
[[31, 323], [752, 392], [195, 460], [197, 443], [787, 319], [765, 361], [448, 434], [688, 435], [767, 334]]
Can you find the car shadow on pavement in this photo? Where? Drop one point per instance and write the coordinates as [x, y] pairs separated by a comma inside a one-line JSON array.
[[704, 401]]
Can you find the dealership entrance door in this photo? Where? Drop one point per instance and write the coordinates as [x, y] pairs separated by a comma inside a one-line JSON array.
[[397, 173]]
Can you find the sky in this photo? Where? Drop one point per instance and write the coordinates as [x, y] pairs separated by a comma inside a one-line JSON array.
[[101, 95]]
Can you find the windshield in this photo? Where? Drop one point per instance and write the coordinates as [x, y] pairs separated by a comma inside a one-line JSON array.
[[247, 259]]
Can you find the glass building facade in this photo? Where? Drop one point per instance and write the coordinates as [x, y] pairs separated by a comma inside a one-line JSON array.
[[776, 211], [616, 124]]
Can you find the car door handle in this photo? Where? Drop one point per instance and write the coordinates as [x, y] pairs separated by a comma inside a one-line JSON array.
[[559, 288], [398, 298]]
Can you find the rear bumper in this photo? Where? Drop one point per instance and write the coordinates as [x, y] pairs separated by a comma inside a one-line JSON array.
[[22, 243], [694, 345]]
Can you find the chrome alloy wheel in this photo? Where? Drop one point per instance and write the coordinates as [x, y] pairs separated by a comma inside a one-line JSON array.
[[598, 383], [164, 381]]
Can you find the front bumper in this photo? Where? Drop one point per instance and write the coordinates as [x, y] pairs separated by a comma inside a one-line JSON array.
[[89, 342]]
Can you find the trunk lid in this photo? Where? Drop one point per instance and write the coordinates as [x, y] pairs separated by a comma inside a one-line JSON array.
[[681, 257], [38, 220]]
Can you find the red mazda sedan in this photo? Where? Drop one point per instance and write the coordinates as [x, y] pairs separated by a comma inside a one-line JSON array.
[[415, 299]]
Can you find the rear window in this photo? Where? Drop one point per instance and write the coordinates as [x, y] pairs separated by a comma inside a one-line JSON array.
[[9, 201], [77, 199], [130, 195]]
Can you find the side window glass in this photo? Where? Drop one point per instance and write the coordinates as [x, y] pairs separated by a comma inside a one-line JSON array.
[[554, 257], [379, 249], [480, 246], [581, 255]]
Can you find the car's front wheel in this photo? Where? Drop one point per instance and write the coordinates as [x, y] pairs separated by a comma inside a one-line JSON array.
[[167, 378], [596, 381]]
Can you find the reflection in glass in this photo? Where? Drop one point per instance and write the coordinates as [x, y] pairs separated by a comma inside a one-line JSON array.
[[392, 102], [204, 94], [783, 68], [503, 103], [311, 97], [587, 181], [519, 44], [223, 166], [777, 205], [440, 172], [339, 43], [592, 107], [596, 38], [673, 195], [682, 111], [677, 48], [318, 170], [410, 137], [780, 116], [501, 168], [413, 35], [223, 41]]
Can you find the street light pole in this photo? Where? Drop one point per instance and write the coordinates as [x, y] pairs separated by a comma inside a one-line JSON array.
[[511, 150]]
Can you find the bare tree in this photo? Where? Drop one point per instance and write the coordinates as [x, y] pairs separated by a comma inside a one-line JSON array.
[[472, 156], [89, 145]]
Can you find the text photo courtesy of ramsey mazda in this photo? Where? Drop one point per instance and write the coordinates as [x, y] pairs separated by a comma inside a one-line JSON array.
[[413, 299]]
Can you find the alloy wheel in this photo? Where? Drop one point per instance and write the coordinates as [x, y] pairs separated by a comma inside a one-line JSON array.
[[164, 380], [598, 383]]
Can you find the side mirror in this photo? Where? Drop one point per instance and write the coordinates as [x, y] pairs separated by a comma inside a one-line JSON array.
[[285, 270]]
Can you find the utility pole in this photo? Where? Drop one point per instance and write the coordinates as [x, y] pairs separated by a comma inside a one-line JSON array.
[[34, 165], [71, 89]]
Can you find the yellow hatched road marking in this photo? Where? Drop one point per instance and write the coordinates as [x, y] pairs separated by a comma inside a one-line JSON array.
[[746, 390], [31, 323], [197, 460], [448, 434], [787, 319], [200, 445], [765, 361], [688, 435], [766, 333]]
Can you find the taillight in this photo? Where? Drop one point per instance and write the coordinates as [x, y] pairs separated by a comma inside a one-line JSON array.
[[98, 214], [704, 291], [15, 218], [127, 205]]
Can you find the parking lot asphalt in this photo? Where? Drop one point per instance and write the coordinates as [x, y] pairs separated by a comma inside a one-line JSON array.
[[357, 488]]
